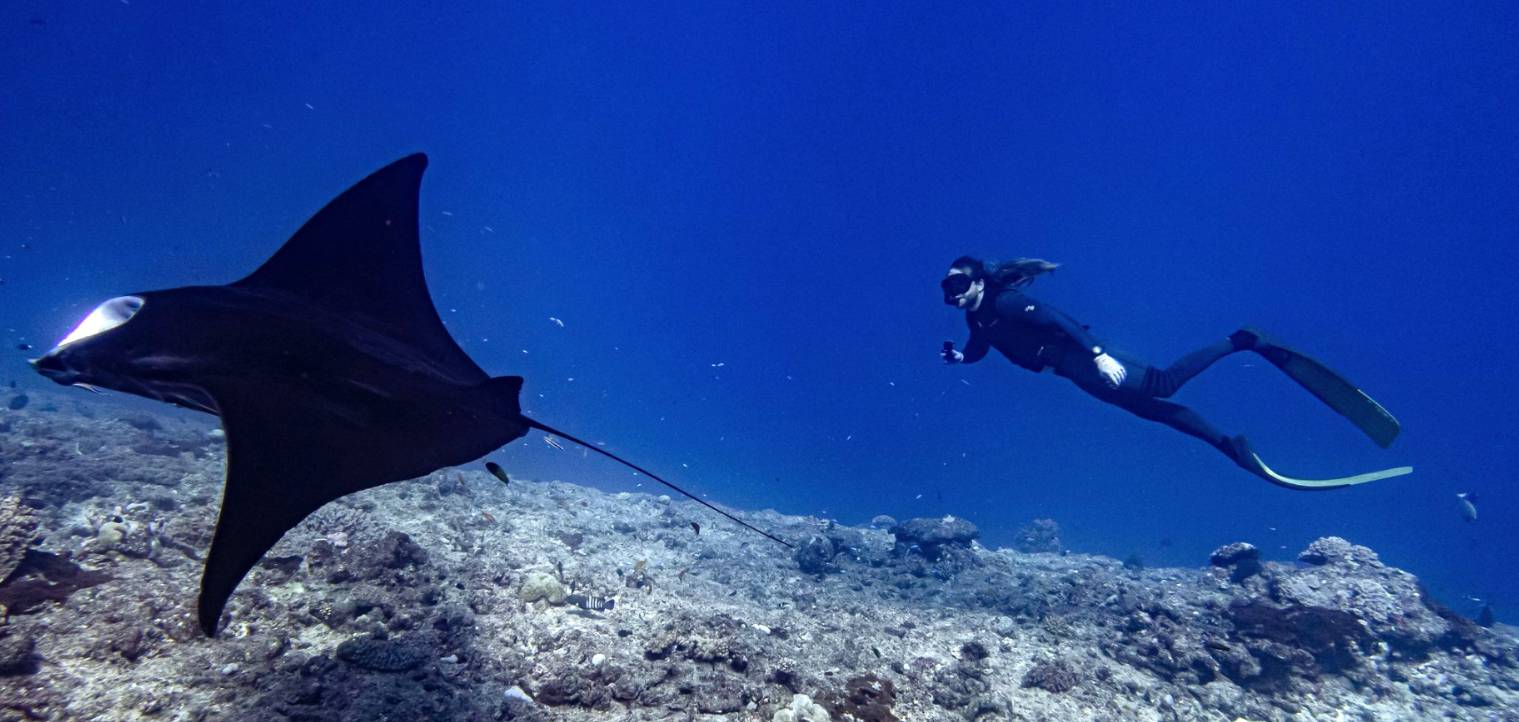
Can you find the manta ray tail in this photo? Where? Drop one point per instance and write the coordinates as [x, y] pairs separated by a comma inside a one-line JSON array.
[[551, 430]]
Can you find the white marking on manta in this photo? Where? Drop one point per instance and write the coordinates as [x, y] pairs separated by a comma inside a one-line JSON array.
[[105, 317]]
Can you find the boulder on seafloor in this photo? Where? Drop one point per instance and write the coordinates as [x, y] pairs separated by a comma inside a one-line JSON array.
[[1241, 558], [815, 556], [1337, 551], [18, 525], [1333, 640], [1351, 579], [935, 535], [1231, 554], [542, 585], [1055, 676], [802, 709], [16, 646], [383, 655], [867, 698], [1039, 536]]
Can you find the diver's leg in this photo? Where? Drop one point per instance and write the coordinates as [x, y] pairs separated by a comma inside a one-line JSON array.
[[1236, 448], [1182, 419], [1162, 383]]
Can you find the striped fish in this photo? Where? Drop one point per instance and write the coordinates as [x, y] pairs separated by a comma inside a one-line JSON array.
[[592, 603]]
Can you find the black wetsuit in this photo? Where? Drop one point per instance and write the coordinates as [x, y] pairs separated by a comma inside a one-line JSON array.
[[1036, 336]]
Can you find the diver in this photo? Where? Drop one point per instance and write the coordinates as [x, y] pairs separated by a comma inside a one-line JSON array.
[[1037, 336]]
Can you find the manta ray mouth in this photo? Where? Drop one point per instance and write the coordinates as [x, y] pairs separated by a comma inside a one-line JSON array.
[[53, 368]]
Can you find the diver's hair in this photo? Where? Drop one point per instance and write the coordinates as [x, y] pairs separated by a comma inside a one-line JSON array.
[[1006, 274]]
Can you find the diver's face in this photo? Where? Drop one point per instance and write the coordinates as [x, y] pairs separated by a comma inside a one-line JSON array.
[[960, 290]]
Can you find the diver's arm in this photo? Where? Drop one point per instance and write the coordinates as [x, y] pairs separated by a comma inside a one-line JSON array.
[[975, 349]]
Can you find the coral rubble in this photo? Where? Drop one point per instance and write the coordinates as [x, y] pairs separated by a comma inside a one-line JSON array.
[[445, 598]]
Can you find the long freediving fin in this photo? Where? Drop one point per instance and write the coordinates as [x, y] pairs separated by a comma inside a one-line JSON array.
[[1251, 462], [1292, 483], [1333, 389], [550, 430]]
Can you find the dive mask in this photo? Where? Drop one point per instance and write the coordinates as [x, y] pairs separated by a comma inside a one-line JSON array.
[[956, 284]]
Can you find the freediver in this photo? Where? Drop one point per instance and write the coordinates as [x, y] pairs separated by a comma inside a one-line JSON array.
[[1036, 336]]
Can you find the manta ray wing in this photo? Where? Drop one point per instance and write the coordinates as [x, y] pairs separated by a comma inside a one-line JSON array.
[[289, 453], [360, 257]]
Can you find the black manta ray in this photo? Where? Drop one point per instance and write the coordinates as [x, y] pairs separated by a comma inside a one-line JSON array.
[[329, 367]]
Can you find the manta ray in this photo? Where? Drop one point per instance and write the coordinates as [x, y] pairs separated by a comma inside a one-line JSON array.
[[328, 365]]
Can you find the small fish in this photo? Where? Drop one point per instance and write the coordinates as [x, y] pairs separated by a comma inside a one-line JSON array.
[[498, 472], [18, 402], [554, 442], [23, 347], [1468, 506], [591, 603], [488, 517], [696, 528], [557, 321]]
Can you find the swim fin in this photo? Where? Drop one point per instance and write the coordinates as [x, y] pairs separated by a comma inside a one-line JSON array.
[[1251, 462], [1333, 389]]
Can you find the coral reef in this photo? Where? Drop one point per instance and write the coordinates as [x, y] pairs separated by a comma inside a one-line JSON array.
[[442, 598]]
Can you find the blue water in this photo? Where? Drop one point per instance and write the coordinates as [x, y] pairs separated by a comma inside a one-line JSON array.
[[741, 217]]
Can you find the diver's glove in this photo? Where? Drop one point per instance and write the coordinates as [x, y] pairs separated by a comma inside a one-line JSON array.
[[1112, 371]]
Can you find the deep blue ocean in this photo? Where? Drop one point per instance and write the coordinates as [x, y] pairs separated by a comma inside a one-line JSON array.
[[740, 217]]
